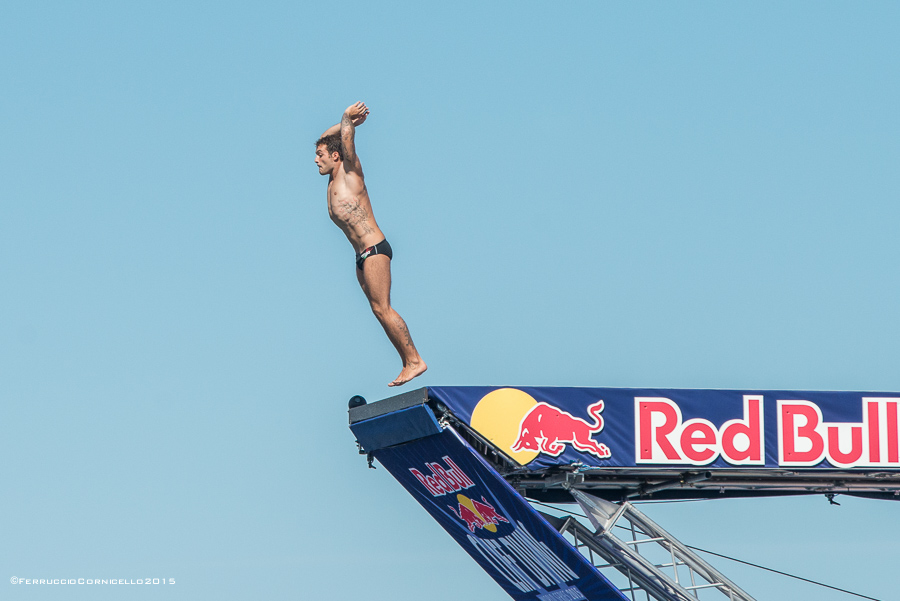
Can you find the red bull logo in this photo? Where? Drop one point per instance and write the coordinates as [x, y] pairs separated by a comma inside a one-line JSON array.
[[523, 428], [443, 480], [548, 429], [663, 436], [805, 438], [477, 515]]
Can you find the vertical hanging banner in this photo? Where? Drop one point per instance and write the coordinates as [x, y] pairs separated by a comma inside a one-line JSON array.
[[494, 524]]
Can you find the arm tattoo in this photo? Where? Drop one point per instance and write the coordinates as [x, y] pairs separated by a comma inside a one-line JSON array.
[[347, 132]]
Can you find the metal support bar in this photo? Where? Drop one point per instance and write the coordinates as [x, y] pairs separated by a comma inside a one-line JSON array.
[[686, 479]]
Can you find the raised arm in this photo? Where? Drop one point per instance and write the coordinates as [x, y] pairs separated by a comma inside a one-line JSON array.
[[334, 129], [354, 115]]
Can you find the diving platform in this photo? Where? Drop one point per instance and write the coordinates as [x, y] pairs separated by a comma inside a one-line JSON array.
[[473, 457]]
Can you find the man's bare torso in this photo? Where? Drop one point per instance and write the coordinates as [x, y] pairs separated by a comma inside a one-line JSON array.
[[350, 209]]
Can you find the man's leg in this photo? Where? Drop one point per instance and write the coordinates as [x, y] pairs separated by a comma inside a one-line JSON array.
[[375, 280]]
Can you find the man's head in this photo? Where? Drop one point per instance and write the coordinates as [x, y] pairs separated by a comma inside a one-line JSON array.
[[328, 153]]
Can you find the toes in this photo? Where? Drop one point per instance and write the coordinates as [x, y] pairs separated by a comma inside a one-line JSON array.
[[406, 375]]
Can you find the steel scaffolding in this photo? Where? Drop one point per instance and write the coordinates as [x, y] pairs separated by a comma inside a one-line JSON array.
[[651, 563]]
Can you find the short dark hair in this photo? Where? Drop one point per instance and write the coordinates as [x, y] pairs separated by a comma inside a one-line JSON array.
[[332, 144]]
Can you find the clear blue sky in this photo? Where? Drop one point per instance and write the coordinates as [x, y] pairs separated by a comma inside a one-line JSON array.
[[697, 195]]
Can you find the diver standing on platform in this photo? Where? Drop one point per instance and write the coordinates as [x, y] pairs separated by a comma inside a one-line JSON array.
[[351, 210]]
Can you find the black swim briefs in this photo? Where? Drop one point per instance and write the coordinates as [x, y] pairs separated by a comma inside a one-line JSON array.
[[382, 248]]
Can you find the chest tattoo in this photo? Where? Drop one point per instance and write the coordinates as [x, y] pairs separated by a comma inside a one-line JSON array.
[[354, 215]]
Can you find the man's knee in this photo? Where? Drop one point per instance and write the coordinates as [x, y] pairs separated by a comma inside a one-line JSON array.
[[381, 310]]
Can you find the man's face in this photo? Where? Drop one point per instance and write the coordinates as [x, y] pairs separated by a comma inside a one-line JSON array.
[[324, 161]]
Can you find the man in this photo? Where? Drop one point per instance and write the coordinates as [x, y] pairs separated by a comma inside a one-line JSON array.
[[351, 210]]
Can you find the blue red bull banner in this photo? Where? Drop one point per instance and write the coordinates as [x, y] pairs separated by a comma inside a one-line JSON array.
[[620, 427], [494, 524], [631, 442]]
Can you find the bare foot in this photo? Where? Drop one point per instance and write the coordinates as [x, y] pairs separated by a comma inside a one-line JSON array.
[[409, 372]]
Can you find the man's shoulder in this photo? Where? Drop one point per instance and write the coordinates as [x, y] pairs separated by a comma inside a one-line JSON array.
[[347, 173]]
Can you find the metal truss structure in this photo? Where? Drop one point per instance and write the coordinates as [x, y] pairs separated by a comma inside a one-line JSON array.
[[423, 437], [650, 562]]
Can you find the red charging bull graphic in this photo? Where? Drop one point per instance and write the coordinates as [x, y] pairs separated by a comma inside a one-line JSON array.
[[477, 515], [548, 429]]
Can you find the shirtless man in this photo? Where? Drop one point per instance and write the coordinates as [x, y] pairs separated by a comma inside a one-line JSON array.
[[351, 210]]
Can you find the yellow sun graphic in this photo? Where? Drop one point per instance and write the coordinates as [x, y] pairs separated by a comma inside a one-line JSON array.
[[497, 417]]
